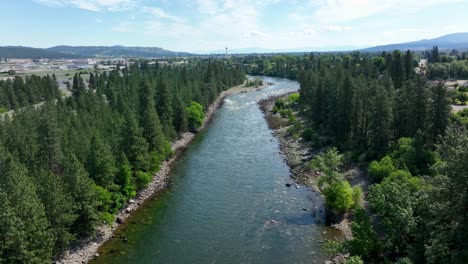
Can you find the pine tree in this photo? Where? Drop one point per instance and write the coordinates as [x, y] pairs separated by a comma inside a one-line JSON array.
[[58, 206], [149, 120], [439, 111], [101, 163], [31, 240], [381, 119], [408, 62], [134, 144], [80, 187], [448, 221]]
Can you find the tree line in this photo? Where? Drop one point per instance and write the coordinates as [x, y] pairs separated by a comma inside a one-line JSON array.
[[378, 111], [71, 164], [20, 92]]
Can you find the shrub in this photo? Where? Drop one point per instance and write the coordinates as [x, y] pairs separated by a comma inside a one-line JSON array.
[[195, 116], [294, 98], [354, 260], [332, 247], [279, 104], [307, 134], [142, 179], [339, 196], [381, 169]]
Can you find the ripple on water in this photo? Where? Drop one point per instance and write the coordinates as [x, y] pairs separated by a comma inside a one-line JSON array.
[[229, 203]]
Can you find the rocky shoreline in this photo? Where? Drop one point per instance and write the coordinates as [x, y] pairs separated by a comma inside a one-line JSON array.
[[86, 250], [297, 154]]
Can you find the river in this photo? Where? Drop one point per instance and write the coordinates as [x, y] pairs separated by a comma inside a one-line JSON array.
[[225, 190]]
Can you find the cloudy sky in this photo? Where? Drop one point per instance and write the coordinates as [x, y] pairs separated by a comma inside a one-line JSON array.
[[207, 25]]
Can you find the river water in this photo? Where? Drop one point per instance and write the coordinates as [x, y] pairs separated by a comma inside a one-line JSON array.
[[225, 190]]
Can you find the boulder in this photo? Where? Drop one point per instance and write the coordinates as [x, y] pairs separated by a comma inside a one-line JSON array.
[[288, 185], [119, 220]]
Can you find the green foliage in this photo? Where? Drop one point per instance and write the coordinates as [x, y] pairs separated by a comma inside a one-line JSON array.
[[354, 260], [294, 98], [410, 154], [403, 261], [329, 163], [333, 247], [142, 179], [379, 170], [461, 117], [29, 237], [71, 163], [447, 222], [340, 196], [395, 200], [364, 243], [307, 134], [256, 82], [195, 116], [280, 104]]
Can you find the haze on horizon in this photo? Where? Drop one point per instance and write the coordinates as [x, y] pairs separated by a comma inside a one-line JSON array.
[[209, 25]]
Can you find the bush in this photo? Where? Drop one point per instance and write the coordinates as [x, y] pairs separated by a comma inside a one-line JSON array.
[[279, 104], [379, 170], [463, 89], [339, 196], [333, 247], [354, 260], [142, 179], [195, 116], [285, 113], [307, 134], [294, 98]]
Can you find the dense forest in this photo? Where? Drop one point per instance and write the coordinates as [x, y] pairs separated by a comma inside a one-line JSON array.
[[72, 163], [19, 92], [380, 113]]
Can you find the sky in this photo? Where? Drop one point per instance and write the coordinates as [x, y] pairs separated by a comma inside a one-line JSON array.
[[210, 25]]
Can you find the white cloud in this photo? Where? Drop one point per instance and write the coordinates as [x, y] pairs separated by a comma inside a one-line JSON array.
[[334, 28], [160, 13], [208, 6], [348, 10], [93, 5]]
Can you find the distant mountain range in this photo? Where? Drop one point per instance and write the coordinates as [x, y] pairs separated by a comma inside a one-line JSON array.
[[451, 41], [21, 52], [68, 52], [116, 51], [291, 50]]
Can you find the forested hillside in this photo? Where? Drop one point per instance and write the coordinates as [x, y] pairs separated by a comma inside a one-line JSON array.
[[71, 164], [383, 115]]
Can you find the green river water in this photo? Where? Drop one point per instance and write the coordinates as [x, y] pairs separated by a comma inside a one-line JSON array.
[[225, 190]]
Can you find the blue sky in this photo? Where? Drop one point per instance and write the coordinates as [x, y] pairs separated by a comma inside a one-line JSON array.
[[207, 25]]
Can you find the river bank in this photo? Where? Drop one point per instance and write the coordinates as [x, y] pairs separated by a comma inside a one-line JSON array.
[[298, 153], [87, 249]]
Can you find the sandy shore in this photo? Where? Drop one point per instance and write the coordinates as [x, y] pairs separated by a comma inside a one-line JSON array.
[[87, 249]]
